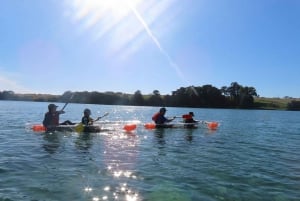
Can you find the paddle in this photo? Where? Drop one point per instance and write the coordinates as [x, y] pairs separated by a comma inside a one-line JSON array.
[[67, 103], [211, 125], [129, 127], [105, 114], [80, 127]]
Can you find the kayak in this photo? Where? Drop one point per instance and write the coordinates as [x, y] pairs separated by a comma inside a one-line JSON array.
[[69, 128], [127, 127], [209, 125], [81, 128]]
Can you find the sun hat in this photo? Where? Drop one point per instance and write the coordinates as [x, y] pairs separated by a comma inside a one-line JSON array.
[[163, 109], [50, 106]]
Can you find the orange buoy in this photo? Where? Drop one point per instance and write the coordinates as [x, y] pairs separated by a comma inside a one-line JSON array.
[[149, 125], [129, 127], [38, 128], [212, 125]]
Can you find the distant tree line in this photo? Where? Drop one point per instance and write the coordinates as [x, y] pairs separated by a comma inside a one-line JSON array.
[[206, 96], [294, 105]]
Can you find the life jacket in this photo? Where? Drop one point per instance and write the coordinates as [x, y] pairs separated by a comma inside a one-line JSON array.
[[155, 116], [187, 116], [86, 121]]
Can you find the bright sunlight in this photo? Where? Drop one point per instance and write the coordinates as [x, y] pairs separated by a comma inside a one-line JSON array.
[[124, 24]]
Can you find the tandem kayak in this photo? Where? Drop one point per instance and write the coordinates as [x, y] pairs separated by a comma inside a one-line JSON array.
[[209, 125], [82, 128], [69, 128]]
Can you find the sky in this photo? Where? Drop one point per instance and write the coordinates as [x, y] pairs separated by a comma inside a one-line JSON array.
[[54, 46]]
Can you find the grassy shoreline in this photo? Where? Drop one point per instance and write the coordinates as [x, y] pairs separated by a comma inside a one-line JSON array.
[[273, 103]]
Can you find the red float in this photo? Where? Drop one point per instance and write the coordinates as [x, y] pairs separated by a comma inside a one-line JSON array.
[[129, 127], [38, 128], [149, 125]]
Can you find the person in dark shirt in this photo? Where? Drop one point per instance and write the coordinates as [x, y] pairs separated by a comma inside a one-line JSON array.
[[160, 119], [87, 120], [51, 119]]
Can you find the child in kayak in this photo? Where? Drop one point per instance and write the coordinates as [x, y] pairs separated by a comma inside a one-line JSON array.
[[188, 118], [87, 120]]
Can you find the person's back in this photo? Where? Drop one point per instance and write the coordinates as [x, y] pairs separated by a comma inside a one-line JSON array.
[[188, 118], [51, 118]]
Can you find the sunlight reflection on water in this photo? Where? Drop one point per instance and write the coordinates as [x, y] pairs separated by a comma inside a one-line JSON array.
[[119, 153], [249, 157]]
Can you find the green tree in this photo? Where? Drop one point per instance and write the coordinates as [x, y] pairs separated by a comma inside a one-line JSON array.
[[137, 98], [155, 99]]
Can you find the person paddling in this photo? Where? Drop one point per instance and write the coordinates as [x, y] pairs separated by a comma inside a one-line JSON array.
[[51, 119], [160, 119], [87, 120], [189, 118]]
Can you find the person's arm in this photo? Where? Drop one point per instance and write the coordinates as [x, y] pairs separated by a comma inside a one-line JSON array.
[[171, 119], [97, 119], [91, 121], [61, 112]]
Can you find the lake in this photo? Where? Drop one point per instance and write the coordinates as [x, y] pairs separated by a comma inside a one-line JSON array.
[[253, 155]]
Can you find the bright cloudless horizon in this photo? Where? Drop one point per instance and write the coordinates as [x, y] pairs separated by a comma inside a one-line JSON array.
[[53, 46]]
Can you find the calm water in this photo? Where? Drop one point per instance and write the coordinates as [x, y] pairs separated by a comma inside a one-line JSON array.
[[254, 155]]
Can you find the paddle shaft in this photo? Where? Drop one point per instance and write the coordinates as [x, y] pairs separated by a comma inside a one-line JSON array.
[[67, 103], [101, 116]]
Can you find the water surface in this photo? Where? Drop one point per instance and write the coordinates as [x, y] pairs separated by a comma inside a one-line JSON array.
[[254, 155]]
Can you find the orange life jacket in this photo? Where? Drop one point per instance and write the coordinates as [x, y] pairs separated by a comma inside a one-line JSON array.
[[155, 116], [187, 116]]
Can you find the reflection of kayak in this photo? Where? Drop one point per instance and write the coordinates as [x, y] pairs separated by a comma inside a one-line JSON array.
[[209, 125]]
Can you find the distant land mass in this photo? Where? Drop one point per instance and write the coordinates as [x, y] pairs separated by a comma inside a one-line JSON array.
[[206, 96]]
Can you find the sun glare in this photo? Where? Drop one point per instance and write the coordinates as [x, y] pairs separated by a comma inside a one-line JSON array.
[[123, 24]]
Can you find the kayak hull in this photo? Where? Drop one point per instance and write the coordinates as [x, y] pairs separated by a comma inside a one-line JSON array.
[[209, 125], [74, 128], [170, 125], [69, 128]]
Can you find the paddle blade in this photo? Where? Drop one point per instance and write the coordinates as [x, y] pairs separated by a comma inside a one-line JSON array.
[[149, 125], [79, 128], [105, 114], [212, 125], [38, 128], [129, 127]]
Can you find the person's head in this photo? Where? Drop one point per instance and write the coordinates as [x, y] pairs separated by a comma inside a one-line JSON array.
[[87, 112], [162, 110], [191, 113], [52, 107]]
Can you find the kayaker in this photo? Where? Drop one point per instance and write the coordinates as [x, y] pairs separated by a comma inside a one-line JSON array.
[[51, 119], [87, 120], [160, 119], [189, 118]]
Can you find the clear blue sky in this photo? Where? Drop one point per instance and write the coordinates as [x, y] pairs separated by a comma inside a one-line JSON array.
[[52, 46]]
